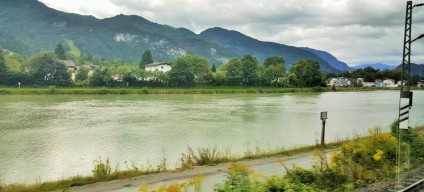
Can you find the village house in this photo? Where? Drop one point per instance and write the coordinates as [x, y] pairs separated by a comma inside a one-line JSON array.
[[90, 68], [368, 84], [341, 82], [158, 66], [71, 67], [69, 64], [390, 83]]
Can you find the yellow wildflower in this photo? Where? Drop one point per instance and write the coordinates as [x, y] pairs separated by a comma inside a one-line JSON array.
[[378, 154]]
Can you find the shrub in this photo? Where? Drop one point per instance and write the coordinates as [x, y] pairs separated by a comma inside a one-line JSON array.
[[102, 170], [365, 160], [305, 176], [203, 156]]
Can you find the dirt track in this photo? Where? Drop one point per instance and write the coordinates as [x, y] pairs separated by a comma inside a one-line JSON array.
[[215, 174]]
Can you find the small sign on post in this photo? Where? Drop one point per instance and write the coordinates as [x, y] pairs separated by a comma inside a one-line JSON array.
[[19, 84], [323, 118]]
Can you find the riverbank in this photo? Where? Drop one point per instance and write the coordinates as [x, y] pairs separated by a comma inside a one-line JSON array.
[[206, 164], [200, 160], [195, 90]]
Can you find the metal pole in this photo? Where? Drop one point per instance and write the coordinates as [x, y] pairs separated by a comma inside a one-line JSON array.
[[406, 70], [323, 133]]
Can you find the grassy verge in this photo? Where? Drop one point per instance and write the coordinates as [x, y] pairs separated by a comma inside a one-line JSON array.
[[358, 163], [208, 156], [52, 90]]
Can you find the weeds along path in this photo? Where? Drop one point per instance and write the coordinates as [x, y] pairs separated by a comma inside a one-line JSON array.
[[213, 174]]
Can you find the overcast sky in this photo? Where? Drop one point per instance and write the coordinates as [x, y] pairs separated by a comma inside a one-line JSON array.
[[355, 31]]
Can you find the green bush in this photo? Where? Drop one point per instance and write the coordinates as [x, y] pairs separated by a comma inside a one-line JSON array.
[[305, 176]]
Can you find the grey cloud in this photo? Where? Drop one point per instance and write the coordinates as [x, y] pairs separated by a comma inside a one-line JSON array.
[[355, 31]]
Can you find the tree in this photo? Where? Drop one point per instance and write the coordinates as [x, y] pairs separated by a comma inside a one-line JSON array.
[[274, 60], [101, 78], [250, 68], [202, 73], [60, 52], [233, 71], [146, 58], [182, 72], [213, 68], [276, 72], [275, 69], [305, 73], [48, 70], [81, 75], [2, 63]]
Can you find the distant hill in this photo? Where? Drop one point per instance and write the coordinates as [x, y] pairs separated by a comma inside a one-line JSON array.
[[242, 44], [416, 69], [330, 59], [28, 27], [375, 66]]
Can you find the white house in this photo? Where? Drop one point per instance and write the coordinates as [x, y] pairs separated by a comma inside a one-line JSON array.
[[342, 82], [390, 83], [158, 66]]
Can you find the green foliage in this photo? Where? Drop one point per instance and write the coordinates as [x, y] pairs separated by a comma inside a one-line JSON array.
[[367, 159], [48, 70], [274, 60], [305, 73], [237, 180], [147, 58], [275, 73], [412, 139], [74, 50], [60, 52], [203, 156], [233, 72], [81, 75], [213, 68], [189, 70], [241, 44], [2, 63], [250, 69], [102, 170], [242, 179], [101, 78]]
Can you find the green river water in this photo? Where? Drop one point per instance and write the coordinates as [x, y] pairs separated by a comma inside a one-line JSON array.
[[49, 137]]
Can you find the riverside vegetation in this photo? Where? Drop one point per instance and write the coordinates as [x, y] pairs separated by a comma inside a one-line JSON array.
[[46, 69], [359, 162]]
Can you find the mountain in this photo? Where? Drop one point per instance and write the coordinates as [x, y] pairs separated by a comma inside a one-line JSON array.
[[416, 69], [330, 59], [375, 66], [242, 44], [28, 27]]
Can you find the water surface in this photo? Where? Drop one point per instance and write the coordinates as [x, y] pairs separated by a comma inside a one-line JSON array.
[[52, 137]]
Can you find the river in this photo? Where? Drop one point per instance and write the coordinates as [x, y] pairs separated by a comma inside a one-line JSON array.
[[49, 137]]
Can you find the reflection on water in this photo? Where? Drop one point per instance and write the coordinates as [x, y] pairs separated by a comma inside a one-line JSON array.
[[51, 137]]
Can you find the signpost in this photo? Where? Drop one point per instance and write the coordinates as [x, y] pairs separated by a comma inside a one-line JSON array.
[[323, 118]]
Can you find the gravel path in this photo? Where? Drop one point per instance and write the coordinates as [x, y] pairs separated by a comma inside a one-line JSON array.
[[215, 174]]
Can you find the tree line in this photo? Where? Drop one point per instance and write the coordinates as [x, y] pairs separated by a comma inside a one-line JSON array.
[[45, 69]]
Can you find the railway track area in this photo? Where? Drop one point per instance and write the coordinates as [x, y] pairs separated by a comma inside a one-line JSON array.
[[410, 181]]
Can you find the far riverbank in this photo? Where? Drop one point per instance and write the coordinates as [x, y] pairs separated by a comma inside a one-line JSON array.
[[52, 90]]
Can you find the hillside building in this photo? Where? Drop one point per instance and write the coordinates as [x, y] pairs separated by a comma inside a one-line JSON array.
[[158, 66]]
